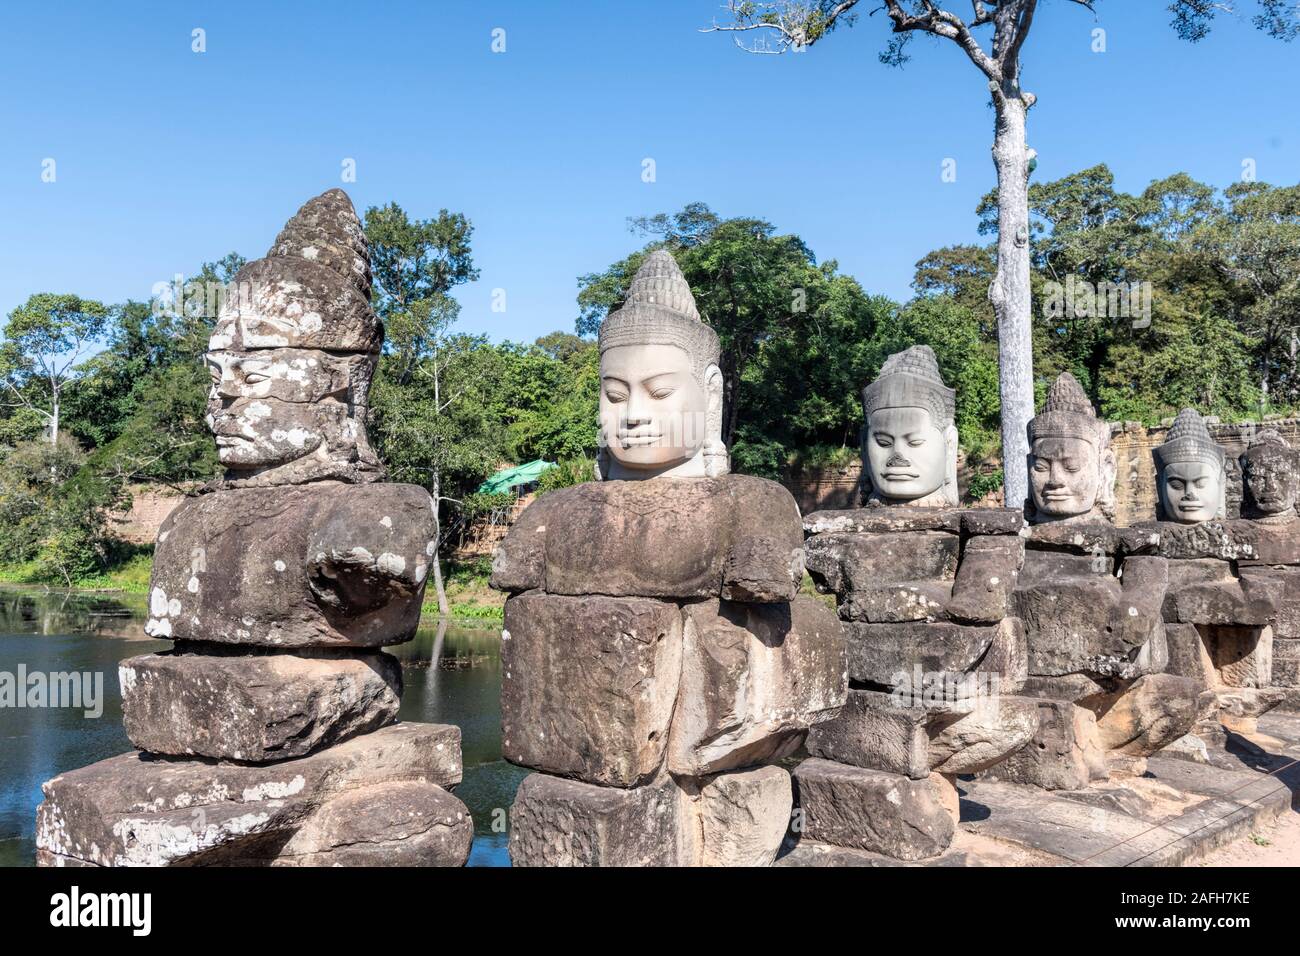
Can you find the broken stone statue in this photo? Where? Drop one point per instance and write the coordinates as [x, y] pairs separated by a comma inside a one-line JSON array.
[[1271, 476], [269, 734], [656, 659], [1091, 613], [1218, 617], [935, 654]]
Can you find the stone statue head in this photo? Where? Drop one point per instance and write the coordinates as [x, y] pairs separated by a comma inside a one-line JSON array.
[[292, 355], [660, 385], [909, 440], [1191, 480], [1071, 464], [1268, 470]]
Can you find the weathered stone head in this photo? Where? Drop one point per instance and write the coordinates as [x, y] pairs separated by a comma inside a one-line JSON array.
[[1268, 471], [292, 355], [1191, 479], [660, 385], [909, 438], [1071, 465]]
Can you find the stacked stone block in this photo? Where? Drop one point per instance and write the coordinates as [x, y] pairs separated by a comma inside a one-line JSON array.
[[935, 660], [269, 733], [657, 665]]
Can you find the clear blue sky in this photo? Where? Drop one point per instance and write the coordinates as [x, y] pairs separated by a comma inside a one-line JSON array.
[[166, 158]]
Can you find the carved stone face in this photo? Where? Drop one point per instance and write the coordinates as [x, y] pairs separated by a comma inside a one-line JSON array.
[[269, 407], [1191, 490], [1270, 480], [653, 410], [1063, 476], [907, 453]]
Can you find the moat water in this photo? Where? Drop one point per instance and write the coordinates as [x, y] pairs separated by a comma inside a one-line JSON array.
[[452, 675]]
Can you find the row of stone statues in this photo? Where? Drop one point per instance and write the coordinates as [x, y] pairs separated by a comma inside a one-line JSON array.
[[1042, 645], [679, 699]]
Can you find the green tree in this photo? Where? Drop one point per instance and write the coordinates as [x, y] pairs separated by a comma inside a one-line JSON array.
[[44, 341], [417, 400], [798, 24]]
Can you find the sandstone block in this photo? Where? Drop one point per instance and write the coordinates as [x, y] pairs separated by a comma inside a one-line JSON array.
[[754, 678], [1064, 754], [876, 732], [588, 685], [319, 565], [708, 537], [993, 728], [885, 654], [987, 575], [138, 810], [255, 708], [740, 817], [1146, 714], [558, 822], [402, 823], [871, 810]]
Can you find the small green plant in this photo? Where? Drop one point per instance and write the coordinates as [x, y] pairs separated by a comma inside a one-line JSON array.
[[982, 483], [570, 471], [1258, 840]]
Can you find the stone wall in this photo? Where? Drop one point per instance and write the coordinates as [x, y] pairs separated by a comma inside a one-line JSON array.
[[150, 506], [1135, 481]]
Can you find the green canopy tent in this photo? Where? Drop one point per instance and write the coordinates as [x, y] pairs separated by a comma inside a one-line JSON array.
[[510, 478]]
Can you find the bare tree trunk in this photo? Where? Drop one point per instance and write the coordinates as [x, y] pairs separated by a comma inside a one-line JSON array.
[[1009, 293], [438, 587]]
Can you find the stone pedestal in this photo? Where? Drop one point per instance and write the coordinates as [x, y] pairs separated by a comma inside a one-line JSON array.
[[654, 710], [1220, 612], [934, 661], [267, 736]]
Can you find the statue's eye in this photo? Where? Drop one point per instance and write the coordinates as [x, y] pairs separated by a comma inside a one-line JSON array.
[[1040, 465], [1176, 484], [615, 397], [884, 441], [252, 378], [662, 393], [917, 442]]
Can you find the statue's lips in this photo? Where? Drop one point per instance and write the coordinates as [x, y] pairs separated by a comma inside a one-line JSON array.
[[900, 475], [1190, 506], [636, 441], [1057, 496]]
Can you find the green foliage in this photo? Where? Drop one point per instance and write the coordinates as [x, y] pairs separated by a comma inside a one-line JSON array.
[[981, 483], [52, 511], [568, 472]]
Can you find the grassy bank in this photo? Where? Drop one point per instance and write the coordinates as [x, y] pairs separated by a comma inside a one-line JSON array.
[[129, 575], [468, 595]]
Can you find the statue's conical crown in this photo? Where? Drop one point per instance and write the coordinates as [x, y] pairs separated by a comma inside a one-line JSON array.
[[1188, 440], [327, 231], [310, 291], [660, 310], [911, 379], [1067, 413]]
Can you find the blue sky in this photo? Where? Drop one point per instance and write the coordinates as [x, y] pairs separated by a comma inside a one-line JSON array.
[[166, 158]]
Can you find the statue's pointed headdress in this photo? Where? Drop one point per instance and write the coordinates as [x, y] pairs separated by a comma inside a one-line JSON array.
[[310, 291], [1189, 440], [911, 379], [1067, 413], [660, 310]]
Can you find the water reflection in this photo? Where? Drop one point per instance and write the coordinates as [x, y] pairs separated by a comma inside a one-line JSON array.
[[452, 674]]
